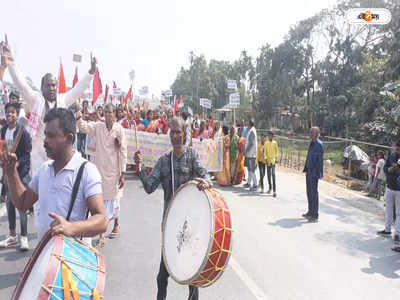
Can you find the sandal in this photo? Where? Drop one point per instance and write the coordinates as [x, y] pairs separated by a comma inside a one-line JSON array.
[[114, 233], [101, 243]]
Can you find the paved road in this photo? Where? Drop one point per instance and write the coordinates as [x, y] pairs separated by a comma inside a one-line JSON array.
[[276, 254]]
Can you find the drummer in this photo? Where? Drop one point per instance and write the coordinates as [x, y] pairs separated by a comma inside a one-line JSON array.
[[187, 167], [52, 185]]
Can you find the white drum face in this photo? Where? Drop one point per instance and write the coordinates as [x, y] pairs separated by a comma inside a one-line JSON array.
[[187, 233], [35, 280]]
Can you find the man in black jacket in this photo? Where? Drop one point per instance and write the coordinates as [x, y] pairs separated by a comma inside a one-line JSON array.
[[23, 152], [392, 194]]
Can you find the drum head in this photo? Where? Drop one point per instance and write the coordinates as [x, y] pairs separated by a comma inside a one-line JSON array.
[[33, 284], [187, 229]]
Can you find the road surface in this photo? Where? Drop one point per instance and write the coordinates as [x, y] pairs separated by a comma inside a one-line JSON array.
[[276, 254]]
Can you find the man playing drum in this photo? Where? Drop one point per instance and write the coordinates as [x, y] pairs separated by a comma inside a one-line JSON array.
[[53, 183], [186, 167]]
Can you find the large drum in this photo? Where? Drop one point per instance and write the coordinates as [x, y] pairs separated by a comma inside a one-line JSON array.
[[197, 236], [62, 268]]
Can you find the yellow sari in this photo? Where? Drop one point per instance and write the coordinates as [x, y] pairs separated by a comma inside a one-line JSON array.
[[240, 162], [224, 177]]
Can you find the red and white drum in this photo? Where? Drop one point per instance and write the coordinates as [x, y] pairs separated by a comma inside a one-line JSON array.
[[197, 236]]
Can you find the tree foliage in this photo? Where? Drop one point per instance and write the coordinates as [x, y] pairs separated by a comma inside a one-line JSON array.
[[326, 71]]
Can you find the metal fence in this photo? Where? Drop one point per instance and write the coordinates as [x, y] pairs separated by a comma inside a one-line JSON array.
[[293, 153]]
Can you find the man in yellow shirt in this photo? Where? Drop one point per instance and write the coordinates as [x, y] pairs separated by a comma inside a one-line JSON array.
[[271, 152], [261, 162]]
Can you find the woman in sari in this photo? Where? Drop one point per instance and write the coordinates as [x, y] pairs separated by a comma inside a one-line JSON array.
[[203, 131], [239, 174], [152, 116], [233, 151], [224, 177]]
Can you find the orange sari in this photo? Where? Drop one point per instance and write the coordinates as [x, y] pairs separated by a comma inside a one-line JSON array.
[[240, 162], [152, 127], [224, 177]]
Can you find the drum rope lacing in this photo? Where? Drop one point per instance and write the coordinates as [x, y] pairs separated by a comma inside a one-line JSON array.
[[69, 284], [220, 247]]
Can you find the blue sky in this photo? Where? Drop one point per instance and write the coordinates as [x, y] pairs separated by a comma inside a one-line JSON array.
[[152, 37]]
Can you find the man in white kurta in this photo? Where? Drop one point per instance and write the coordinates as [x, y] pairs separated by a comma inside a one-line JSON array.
[[110, 159], [38, 103]]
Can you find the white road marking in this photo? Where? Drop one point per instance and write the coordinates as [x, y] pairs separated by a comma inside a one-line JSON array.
[[251, 285]]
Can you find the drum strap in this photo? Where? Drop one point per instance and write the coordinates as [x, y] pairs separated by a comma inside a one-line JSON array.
[[75, 189], [172, 174]]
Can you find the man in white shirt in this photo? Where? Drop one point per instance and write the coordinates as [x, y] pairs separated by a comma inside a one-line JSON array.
[[39, 103], [52, 185], [250, 155], [379, 174]]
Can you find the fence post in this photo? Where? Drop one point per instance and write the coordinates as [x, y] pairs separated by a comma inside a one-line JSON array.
[[348, 168], [298, 160]]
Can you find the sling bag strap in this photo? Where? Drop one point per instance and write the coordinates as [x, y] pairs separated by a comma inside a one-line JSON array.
[[75, 189]]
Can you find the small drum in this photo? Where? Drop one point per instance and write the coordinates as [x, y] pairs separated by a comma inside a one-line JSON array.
[[62, 268], [197, 236]]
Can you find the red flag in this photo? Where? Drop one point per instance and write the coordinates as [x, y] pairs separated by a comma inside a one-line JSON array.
[[75, 81], [97, 89], [175, 105], [129, 95], [106, 94], [114, 85], [62, 86]]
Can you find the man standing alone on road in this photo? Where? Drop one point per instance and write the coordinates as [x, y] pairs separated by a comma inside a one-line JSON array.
[[185, 163], [392, 194], [379, 174], [314, 172]]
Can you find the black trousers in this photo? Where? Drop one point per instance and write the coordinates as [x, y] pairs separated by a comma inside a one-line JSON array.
[[271, 177], [261, 167], [162, 284], [312, 195]]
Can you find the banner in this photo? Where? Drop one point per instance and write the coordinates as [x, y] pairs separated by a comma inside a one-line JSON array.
[[132, 75], [153, 146], [77, 58], [90, 146], [234, 99], [231, 84], [204, 102]]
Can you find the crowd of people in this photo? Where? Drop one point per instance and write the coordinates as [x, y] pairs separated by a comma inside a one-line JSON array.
[[240, 148], [78, 195], [46, 169]]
